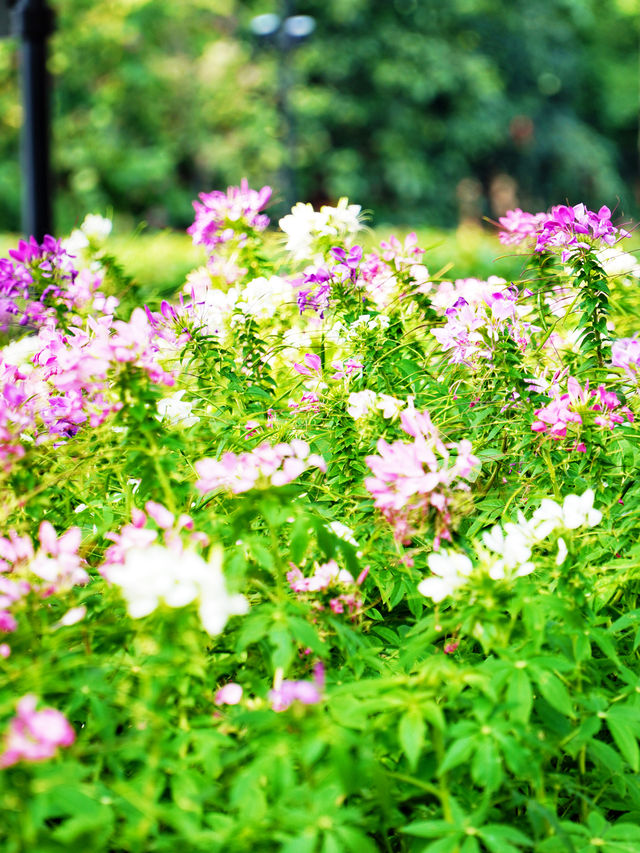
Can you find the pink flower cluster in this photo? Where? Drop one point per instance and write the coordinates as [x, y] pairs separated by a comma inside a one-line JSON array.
[[412, 481], [565, 227], [518, 226], [34, 735], [277, 466], [471, 330], [395, 265], [221, 217], [40, 282], [138, 535], [56, 564], [328, 578], [576, 227], [305, 692], [625, 353], [577, 404]]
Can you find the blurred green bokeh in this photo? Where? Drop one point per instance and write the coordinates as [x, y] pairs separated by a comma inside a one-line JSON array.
[[419, 110]]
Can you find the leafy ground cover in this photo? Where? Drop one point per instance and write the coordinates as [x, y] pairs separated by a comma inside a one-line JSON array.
[[329, 551]]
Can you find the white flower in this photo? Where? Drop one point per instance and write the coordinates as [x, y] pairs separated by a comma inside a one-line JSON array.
[[176, 411], [616, 262], [20, 353], [514, 550], [97, 228], [343, 532], [562, 552], [576, 511], [389, 406], [304, 225], [360, 403], [154, 574], [451, 571], [262, 297]]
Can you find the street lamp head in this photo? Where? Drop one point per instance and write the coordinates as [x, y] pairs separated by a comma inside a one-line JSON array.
[[299, 26], [265, 25]]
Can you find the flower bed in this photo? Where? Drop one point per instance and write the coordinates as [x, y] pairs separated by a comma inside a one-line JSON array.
[[328, 553]]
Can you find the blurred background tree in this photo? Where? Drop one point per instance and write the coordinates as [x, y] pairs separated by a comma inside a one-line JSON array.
[[422, 110]]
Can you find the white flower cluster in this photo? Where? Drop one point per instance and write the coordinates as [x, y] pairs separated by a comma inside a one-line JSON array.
[[340, 333], [94, 229], [262, 297], [213, 309], [176, 412], [153, 574], [360, 403], [510, 548], [304, 225]]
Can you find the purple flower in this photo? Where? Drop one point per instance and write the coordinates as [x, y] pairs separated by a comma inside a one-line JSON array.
[[574, 228], [348, 264], [221, 217]]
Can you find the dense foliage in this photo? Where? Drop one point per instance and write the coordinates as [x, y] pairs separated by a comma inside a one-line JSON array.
[[325, 553], [422, 110]]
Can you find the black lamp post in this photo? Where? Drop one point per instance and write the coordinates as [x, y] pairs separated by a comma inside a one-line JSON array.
[[284, 32], [33, 21]]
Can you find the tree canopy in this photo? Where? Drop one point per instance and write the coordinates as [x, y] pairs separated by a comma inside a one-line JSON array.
[[415, 108]]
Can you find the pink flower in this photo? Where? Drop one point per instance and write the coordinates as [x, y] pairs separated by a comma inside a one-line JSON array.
[[305, 692], [35, 735], [312, 364], [574, 228], [578, 403], [230, 694]]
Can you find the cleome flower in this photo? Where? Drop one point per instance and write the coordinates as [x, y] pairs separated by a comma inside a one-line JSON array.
[[508, 550], [34, 735], [266, 465]]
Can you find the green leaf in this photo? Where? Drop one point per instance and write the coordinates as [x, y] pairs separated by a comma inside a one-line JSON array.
[[520, 696], [501, 838], [554, 692], [486, 767], [625, 740], [429, 828], [411, 731], [459, 752], [306, 635]]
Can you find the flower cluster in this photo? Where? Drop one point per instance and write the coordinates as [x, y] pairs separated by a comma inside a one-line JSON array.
[[414, 480], [518, 226], [265, 465], [509, 548], [286, 692], [573, 228], [54, 568], [599, 406], [148, 572], [338, 586], [471, 331], [395, 272], [221, 217], [360, 403], [306, 228], [34, 735]]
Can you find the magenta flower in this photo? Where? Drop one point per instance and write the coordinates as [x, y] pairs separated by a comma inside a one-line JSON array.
[[221, 217], [574, 228], [518, 226], [312, 364], [305, 692], [35, 735], [576, 404]]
